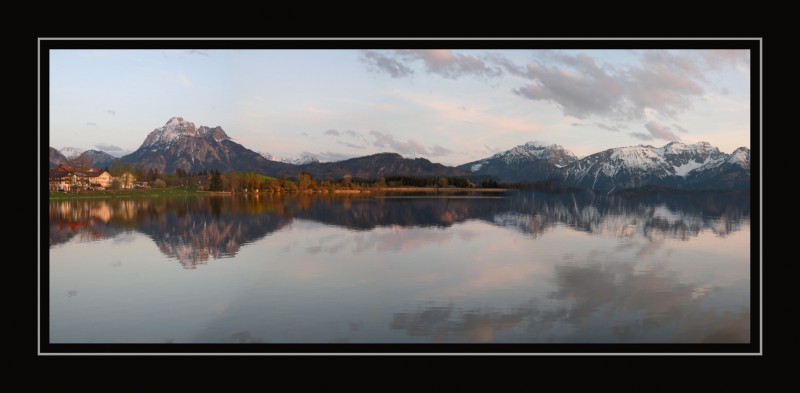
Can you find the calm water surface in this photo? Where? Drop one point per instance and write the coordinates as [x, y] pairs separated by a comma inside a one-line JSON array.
[[522, 267]]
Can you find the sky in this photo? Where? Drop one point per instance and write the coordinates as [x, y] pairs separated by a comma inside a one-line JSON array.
[[450, 106]]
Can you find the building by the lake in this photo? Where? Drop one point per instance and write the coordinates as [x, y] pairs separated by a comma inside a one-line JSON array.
[[68, 178]]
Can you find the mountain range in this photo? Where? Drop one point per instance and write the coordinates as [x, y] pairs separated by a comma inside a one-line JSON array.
[[95, 158], [532, 161], [180, 145]]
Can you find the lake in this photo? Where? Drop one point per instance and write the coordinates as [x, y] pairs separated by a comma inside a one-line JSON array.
[[518, 267]]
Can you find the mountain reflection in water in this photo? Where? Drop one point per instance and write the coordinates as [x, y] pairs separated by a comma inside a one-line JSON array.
[[194, 229], [517, 267]]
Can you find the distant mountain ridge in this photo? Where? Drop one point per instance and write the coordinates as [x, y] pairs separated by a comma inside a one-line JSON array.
[[56, 158], [178, 144], [70, 152], [381, 165], [675, 165], [532, 161], [91, 158], [99, 159]]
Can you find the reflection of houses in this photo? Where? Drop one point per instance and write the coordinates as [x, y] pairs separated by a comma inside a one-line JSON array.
[[65, 177]]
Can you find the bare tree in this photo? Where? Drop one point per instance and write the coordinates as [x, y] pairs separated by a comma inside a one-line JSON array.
[[81, 162], [233, 181], [305, 181]]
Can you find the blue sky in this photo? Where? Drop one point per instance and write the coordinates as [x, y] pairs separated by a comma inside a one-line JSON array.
[[450, 106]]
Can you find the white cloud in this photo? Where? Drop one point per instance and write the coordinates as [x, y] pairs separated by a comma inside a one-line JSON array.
[[657, 131], [410, 147], [442, 62], [378, 62], [663, 82], [679, 128]]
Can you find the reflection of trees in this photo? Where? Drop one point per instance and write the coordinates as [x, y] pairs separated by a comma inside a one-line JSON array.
[[677, 216], [193, 229], [370, 212], [595, 302]]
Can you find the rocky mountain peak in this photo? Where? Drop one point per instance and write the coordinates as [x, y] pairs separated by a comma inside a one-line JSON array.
[[216, 133], [741, 157], [174, 129]]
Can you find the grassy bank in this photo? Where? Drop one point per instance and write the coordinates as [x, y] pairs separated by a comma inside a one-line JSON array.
[[148, 193], [156, 193]]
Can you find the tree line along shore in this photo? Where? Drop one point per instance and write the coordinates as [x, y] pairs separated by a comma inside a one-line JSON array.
[[140, 182]]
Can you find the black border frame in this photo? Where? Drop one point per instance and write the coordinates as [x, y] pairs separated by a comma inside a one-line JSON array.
[[752, 348]]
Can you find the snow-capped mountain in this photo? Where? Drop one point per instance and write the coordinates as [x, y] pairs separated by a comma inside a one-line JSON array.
[[741, 157], [93, 158], [179, 144], [71, 152], [730, 172], [529, 162], [269, 156], [674, 165], [177, 129], [305, 158]]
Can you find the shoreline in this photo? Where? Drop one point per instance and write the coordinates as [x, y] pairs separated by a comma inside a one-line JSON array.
[[441, 189], [166, 193]]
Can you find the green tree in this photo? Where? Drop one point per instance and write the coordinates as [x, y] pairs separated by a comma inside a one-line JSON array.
[[160, 184], [216, 181]]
